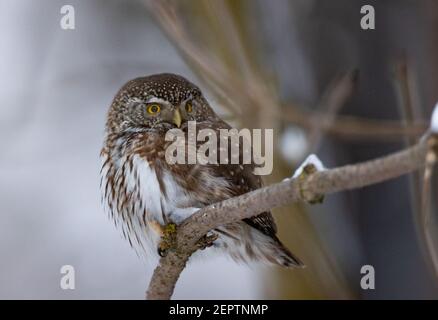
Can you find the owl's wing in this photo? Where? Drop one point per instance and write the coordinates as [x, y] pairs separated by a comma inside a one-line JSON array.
[[264, 221], [244, 180]]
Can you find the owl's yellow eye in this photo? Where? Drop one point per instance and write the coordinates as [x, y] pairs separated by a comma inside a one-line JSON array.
[[189, 107], [153, 108]]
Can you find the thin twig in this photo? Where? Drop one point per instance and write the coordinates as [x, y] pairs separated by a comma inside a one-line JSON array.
[[354, 128], [336, 95], [404, 94], [343, 178]]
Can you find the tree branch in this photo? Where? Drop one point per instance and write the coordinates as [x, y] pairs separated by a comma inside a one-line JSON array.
[[307, 187]]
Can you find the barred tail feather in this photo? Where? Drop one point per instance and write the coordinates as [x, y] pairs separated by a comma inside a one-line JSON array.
[[284, 257]]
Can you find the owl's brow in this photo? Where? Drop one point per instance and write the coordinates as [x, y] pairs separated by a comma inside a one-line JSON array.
[[153, 99]]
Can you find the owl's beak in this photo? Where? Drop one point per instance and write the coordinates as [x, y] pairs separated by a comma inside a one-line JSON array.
[[177, 118]]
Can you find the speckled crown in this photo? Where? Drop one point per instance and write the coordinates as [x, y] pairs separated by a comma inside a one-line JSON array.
[[167, 86]]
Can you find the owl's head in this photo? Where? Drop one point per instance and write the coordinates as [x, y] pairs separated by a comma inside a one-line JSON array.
[[157, 102]]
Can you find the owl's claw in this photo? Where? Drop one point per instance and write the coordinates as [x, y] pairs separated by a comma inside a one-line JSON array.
[[168, 238], [207, 241], [161, 252]]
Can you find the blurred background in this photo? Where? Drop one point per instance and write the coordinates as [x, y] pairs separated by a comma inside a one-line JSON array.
[[302, 67]]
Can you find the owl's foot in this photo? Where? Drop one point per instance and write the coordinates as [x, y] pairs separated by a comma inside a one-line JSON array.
[[168, 238], [207, 241]]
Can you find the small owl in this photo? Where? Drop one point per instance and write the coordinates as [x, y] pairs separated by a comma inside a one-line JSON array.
[[143, 193]]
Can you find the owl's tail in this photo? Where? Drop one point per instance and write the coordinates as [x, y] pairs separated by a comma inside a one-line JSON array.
[[259, 246], [282, 255]]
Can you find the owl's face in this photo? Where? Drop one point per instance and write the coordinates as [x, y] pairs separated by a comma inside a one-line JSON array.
[[157, 102]]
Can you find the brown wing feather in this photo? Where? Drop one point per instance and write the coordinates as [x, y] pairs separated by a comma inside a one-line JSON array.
[[243, 180]]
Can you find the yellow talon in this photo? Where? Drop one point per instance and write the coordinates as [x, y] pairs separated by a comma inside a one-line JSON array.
[[168, 238]]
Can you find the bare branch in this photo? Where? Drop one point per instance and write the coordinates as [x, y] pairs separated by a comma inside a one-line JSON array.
[[304, 188]]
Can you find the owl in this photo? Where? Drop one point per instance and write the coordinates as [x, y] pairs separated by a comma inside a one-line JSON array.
[[144, 193]]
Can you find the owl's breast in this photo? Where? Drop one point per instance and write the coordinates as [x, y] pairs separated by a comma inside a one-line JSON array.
[[162, 195], [139, 194]]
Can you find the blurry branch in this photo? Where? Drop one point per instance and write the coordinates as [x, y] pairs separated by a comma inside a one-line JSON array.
[[242, 89], [354, 128], [332, 101], [309, 186], [404, 94]]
